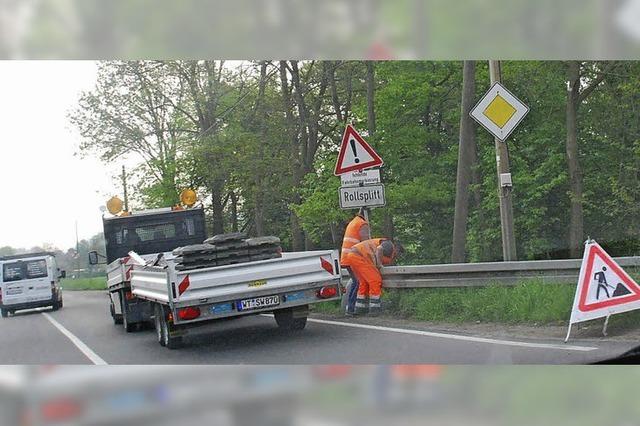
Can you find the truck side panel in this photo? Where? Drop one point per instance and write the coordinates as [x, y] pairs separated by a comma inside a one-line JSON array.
[[151, 284]]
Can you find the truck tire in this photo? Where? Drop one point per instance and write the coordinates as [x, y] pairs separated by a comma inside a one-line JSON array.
[[292, 320], [117, 319], [163, 330], [160, 330], [129, 327], [4, 313]]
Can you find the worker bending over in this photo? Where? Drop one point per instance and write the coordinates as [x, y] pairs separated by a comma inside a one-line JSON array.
[[366, 260], [356, 232]]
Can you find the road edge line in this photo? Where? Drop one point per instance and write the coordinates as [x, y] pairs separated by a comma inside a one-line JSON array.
[[458, 336], [93, 357]]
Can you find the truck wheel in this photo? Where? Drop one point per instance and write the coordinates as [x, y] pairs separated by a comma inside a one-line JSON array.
[[290, 319], [128, 326], [164, 333], [157, 320], [117, 319], [4, 313]]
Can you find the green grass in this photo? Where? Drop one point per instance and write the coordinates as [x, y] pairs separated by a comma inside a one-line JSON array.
[[530, 302], [97, 283]]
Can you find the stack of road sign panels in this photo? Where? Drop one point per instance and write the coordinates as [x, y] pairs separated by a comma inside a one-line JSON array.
[[226, 249]]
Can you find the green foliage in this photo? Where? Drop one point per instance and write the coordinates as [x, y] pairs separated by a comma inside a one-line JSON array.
[[260, 162]]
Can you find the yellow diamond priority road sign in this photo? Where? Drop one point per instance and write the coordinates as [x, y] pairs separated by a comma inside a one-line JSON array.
[[499, 112]]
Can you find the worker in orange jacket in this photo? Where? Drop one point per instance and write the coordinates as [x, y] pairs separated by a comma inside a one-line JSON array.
[[357, 231], [365, 260]]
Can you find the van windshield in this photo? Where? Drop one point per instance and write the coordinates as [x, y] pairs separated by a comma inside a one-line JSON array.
[[20, 270]]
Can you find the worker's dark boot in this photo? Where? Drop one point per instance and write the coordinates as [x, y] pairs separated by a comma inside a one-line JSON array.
[[375, 307]]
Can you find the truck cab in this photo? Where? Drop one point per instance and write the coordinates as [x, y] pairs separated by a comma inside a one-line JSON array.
[[29, 281]]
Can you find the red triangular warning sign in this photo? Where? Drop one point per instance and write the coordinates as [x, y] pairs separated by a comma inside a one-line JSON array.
[[604, 288], [355, 153]]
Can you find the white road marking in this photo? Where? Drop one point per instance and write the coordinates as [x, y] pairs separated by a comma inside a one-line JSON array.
[[93, 357], [458, 337]]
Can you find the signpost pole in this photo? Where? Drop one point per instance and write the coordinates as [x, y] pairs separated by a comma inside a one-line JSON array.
[[366, 217], [504, 190], [124, 185]]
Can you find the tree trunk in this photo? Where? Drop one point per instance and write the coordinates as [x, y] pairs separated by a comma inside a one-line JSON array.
[[297, 235], [466, 158], [260, 113], [217, 208], [576, 220], [388, 229], [371, 114], [476, 181], [234, 211]]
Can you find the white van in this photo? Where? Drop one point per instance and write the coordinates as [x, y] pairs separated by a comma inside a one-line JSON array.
[[28, 281]]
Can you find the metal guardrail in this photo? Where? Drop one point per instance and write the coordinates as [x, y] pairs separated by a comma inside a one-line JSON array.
[[484, 274]]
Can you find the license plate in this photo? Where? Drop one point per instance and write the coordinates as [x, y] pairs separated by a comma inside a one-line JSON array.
[[13, 291], [258, 303]]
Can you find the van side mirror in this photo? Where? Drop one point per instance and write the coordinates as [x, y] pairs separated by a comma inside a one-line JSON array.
[[63, 274]]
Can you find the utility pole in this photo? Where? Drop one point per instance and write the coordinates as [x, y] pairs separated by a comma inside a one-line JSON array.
[[124, 185], [504, 190], [77, 252]]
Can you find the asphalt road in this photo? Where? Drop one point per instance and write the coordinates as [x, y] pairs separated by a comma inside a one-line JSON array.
[[83, 333]]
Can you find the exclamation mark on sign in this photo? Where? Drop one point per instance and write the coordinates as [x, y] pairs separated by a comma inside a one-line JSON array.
[[355, 153]]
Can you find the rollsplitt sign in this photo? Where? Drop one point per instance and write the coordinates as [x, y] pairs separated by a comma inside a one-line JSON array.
[[362, 196]]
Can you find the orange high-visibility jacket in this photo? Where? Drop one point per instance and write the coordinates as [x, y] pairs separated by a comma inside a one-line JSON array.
[[357, 231], [368, 249]]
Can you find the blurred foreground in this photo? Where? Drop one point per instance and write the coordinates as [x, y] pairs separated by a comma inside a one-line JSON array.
[[335, 29], [323, 395]]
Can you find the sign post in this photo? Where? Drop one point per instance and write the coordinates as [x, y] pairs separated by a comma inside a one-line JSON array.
[[500, 112]]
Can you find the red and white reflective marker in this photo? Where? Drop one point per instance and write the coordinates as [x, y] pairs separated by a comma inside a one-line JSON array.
[[604, 288], [355, 153]]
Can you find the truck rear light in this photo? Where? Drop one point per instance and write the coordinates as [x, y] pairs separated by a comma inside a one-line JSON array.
[[189, 313], [60, 410], [327, 292], [128, 295]]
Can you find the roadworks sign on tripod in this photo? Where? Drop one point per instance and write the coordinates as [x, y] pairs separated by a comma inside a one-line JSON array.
[[604, 288]]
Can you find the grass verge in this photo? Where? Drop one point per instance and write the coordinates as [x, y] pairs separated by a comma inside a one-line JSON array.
[[97, 283], [530, 302]]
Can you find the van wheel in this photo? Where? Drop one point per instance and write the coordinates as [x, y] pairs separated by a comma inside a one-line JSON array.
[[55, 306], [163, 330], [292, 320], [4, 313]]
